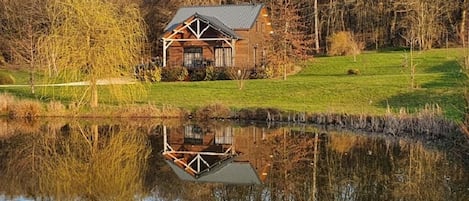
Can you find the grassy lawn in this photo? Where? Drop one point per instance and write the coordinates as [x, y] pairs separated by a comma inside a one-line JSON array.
[[324, 86]]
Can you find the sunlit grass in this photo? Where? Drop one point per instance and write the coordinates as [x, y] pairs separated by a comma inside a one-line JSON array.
[[324, 86]]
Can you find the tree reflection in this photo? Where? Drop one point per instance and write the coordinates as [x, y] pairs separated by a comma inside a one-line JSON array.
[[310, 165], [293, 160], [76, 164], [71, 160], [422, 174]]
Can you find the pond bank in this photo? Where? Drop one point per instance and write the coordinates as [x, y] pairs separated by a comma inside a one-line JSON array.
[[429, 122], [427, 125]]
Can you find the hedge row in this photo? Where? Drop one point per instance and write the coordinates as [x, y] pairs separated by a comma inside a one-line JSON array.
[[170, 74]]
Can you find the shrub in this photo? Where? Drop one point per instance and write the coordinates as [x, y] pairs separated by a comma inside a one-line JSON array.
[[6, 78], [222, 73], [269, 72], [343, 43], [212, 111], [210, 73], [55, 108], [262, 73], [353, 72], [197, 74], [246, 114], [148, 72], [183, 74], [25, 109], [171, 74], [154, 75], [5, 101], [216, 73], [2, 60]]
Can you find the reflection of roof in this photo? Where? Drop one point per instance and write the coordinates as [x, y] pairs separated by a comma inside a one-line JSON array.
[[233, 16], [228, 172]]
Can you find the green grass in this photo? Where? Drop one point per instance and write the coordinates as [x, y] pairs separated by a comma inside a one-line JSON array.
[[324, 86]]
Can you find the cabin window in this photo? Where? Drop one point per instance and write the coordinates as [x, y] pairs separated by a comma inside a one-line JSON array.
[[223, 56], [193, 135], [193, 57], [224, 135]]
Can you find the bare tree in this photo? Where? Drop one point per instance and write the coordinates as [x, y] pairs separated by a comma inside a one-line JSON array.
[[462, 25], [316, 26], [411, 40], [26, 22], [292, 40]]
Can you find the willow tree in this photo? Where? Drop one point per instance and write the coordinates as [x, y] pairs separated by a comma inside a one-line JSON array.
[[91, 40]]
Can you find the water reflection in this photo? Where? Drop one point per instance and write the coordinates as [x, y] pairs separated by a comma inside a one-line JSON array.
[[74, 161], [211, 154], [62, 159]]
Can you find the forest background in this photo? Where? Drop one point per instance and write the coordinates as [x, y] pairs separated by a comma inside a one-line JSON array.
[[302, 25]]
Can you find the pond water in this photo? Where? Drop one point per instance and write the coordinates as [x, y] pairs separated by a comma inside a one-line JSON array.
[[149, 159]]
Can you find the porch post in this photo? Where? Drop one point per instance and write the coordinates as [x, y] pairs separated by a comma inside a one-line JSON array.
[[165, 140], [233, 51], [164, 52]]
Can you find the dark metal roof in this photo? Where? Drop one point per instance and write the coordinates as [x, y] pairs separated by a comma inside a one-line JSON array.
[[217, 24], [234, 17]]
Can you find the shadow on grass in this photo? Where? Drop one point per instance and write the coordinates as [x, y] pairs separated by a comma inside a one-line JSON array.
[[451, 77], [20, 92], [25, 93], [446, 90], [445, 81], [452, 103], [313, 74], [393, 49], [451, 67]]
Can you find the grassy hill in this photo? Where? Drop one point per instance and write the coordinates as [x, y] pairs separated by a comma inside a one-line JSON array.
[[324, 86]]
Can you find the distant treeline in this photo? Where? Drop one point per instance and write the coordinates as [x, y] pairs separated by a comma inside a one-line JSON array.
[[375, 23], [304, 25]]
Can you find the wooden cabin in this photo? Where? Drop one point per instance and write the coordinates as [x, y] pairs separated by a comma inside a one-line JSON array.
[[220, 36]]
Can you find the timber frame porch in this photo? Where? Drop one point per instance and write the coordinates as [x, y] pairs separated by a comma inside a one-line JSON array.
[[202, 28], [219, 36]]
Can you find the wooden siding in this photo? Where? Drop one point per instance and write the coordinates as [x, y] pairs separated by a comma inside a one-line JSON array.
[[248, 52]]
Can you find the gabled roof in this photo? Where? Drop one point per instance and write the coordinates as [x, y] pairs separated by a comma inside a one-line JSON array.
[[234, 17], [217, 24]]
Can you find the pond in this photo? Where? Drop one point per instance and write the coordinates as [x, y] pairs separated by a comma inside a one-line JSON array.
[[151, 159]]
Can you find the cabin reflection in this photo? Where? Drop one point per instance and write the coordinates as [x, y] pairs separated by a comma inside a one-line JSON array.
[[215, 154]]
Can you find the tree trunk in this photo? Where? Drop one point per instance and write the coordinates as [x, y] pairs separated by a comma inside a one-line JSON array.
[[462, 26], [32, 57], [316, 26], [95, 137], [94, 93]]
